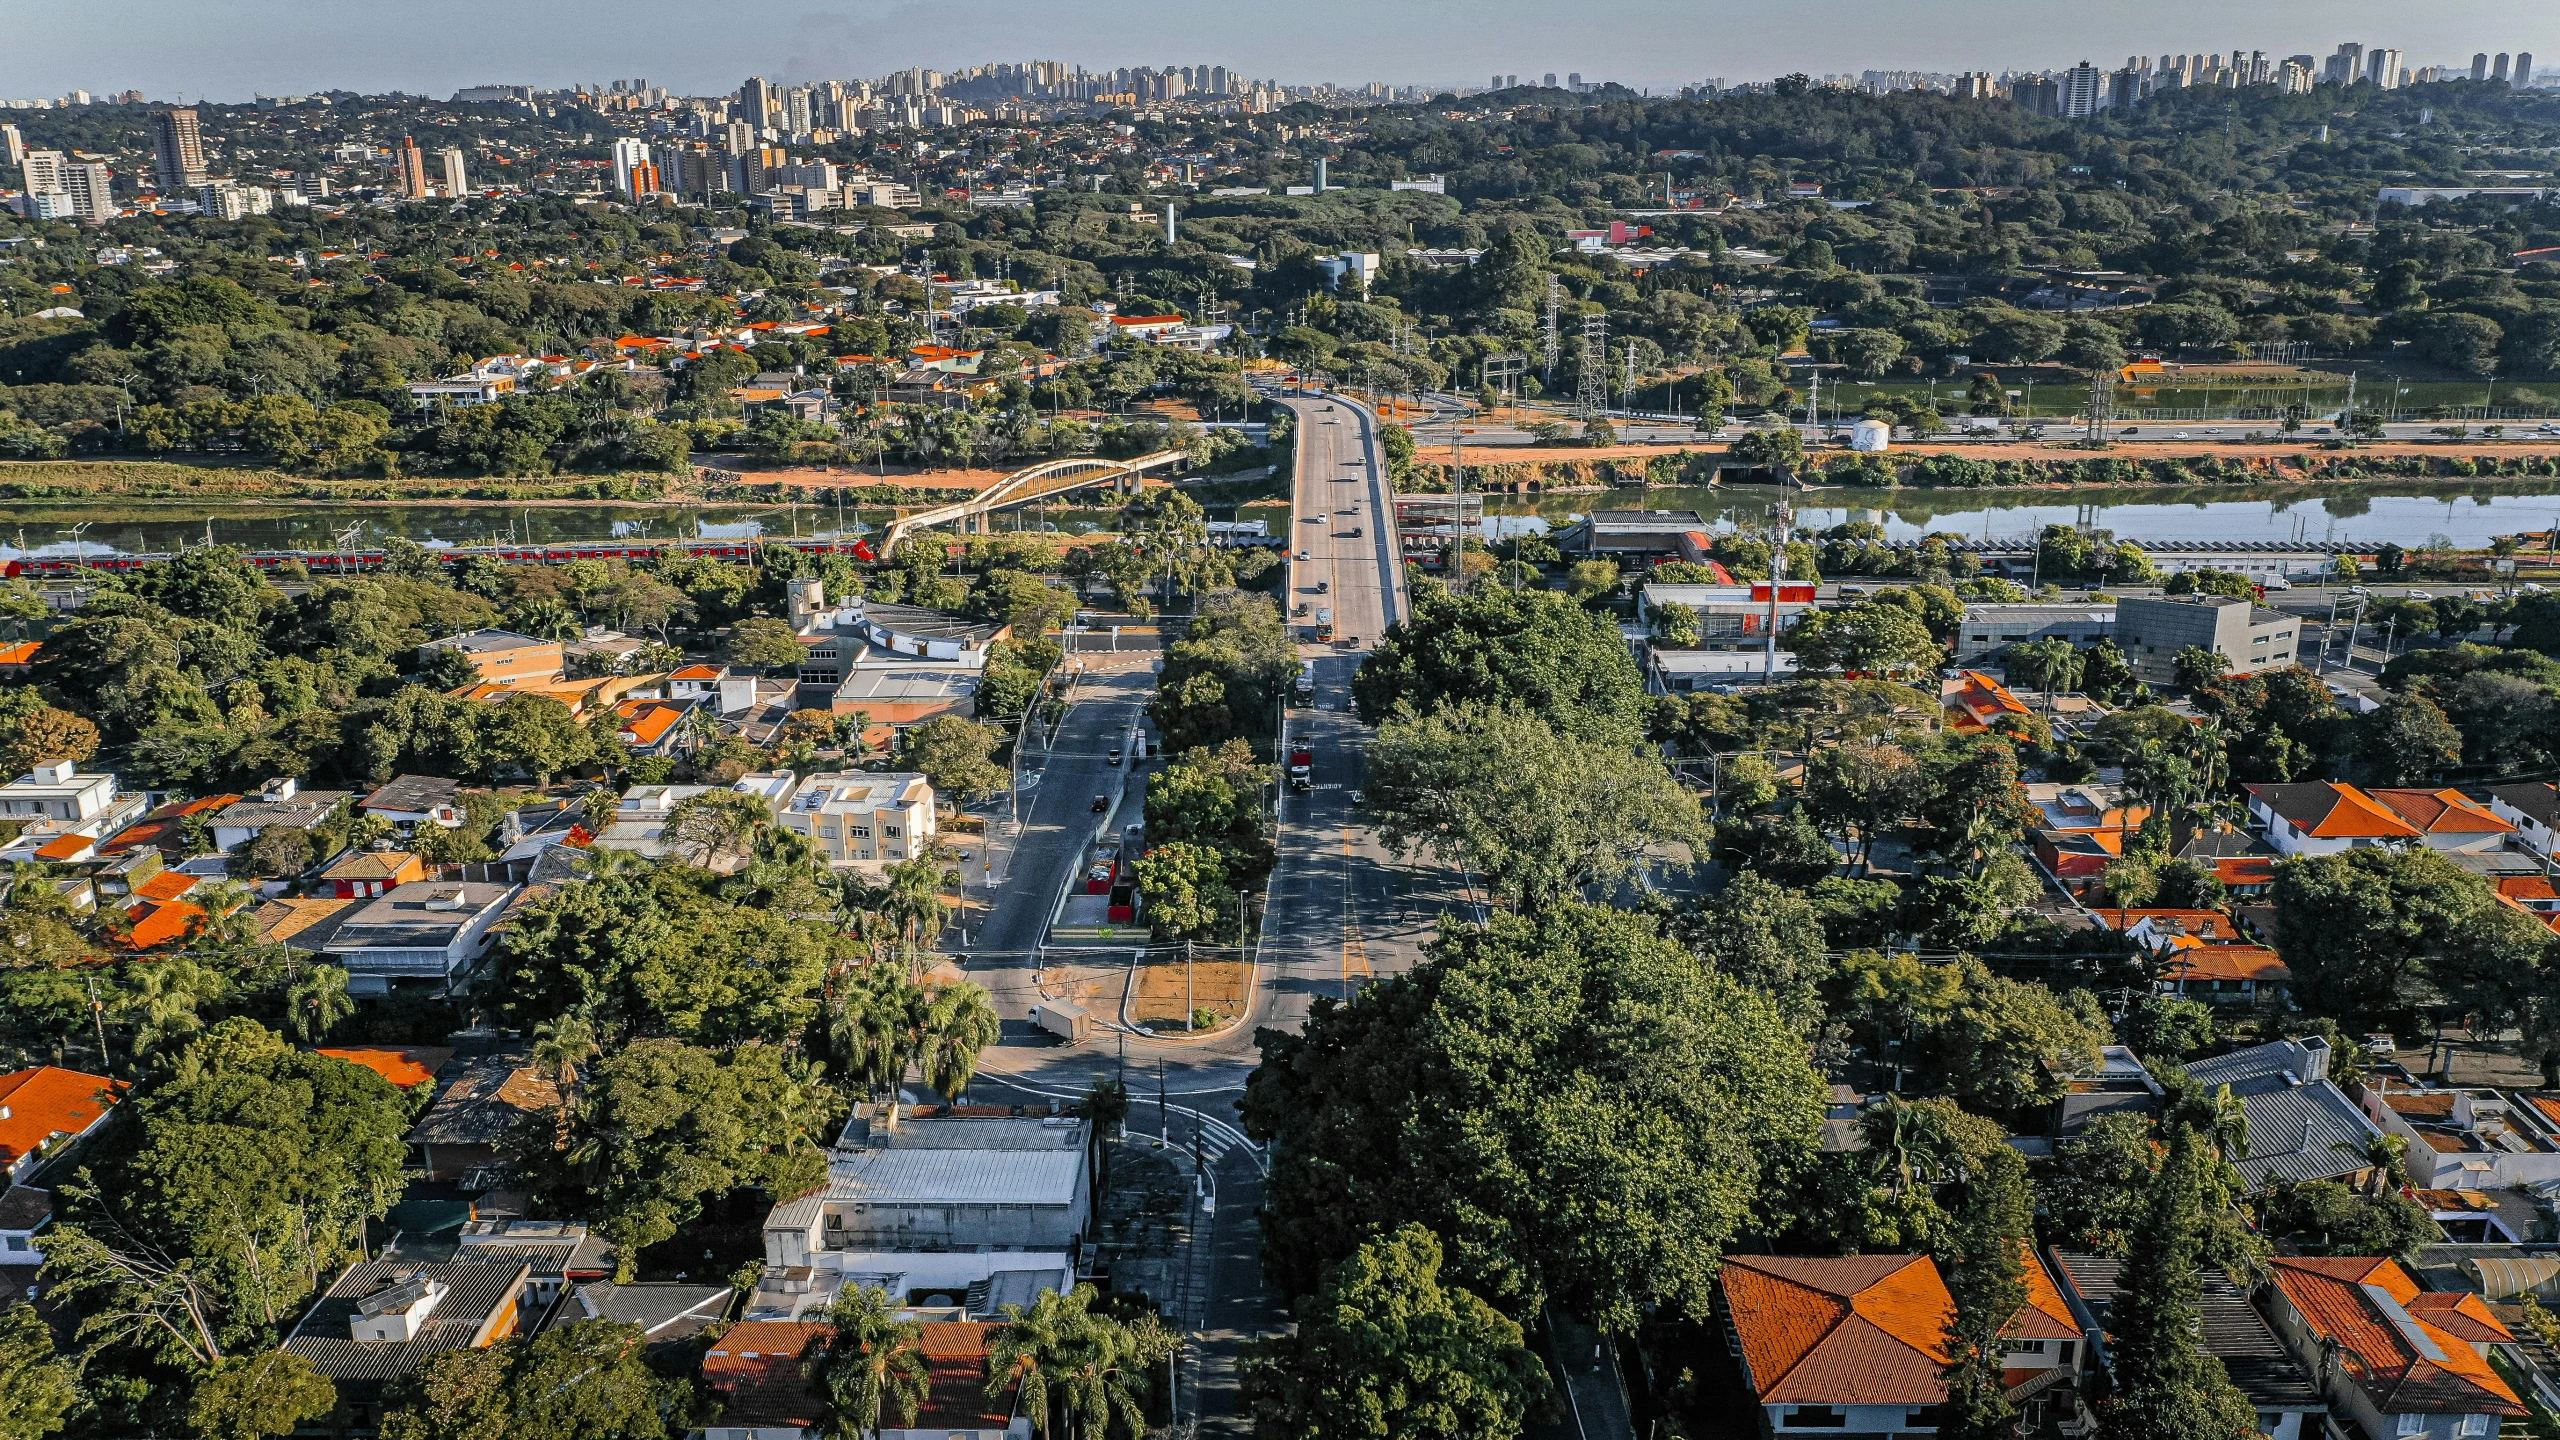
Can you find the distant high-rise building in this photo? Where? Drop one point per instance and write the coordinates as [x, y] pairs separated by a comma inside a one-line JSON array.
[[798, 113], [2498, 71], [738, 136], [2382, 67], [1510, 82], [2083, 91], [43, 171], [2524, 68], [1573, 81], [457, 181], [2480, 66], [177, 151], [2124, 88], [2036, 94], [628, 156], [755, 102], [413, 168], [2345, 64], [13, 149], [1497, 83], [1549, 82], [91, 187]]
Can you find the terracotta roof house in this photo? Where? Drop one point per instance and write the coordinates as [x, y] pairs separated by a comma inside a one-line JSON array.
[[368, 873], [2223, 973], [45, 1108], [2320, 818], [759, 1368], [1856, 1344], [2447, 819], [1974, 700], [2407, 1362]]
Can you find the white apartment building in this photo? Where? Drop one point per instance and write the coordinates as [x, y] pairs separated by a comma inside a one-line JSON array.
[[56, 802], [863, 820]]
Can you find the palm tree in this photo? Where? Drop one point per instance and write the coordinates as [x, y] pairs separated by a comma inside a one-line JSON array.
[[561, 1046], [873, 1364], [317, 1001], [2049, 664], [878, 1024], [958, 1023], [169, 994], [1084, 1374]]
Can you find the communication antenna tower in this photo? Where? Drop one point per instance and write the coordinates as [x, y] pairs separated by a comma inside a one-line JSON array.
[[1554, 340]]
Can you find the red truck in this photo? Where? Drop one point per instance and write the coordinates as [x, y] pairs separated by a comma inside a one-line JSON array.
[[1302, 770]]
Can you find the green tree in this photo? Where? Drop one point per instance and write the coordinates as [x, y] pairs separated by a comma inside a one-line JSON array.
[[666, 1127], [2166, 1386], [1497, 1095], [759, 643], [255, 1395], [536, 734], [2095, 1192], [39, 1393], [316, 1001], [1080, 1374], [1541, 813], [1865, 638], [1538, 650], [955, 757], [1992, 1236], [2049, 665], [1769, 938], [587, 1380], [2407, 740], [959, 1024], [873, 1365], [1387, 1350], [2361, 930], [2323, 1217], [44, 734], [1189, 893], [236, 1185], [2196, 668], [280, 852]]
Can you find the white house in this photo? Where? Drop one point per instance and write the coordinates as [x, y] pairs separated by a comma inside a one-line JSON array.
[[860, 819], [427, 930], [2534, 810]]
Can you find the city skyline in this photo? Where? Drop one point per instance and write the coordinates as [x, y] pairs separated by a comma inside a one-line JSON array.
[[173, 51]]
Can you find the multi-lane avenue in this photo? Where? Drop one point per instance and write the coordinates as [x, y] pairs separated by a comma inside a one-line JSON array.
[[1340, 912]]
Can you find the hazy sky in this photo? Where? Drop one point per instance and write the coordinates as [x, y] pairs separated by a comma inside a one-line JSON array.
[[232, 49]]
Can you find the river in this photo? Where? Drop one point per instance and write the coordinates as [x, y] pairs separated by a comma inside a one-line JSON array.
[[2468, 513]]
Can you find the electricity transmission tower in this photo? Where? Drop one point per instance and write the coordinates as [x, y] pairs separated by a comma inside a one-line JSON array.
[[1554, 341], [1592, 399], [2102, 405]]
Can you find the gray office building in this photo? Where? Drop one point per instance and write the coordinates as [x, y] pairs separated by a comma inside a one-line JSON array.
[[2153, 631]]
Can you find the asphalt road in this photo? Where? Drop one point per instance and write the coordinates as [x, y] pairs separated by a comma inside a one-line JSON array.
[[1341, 912]]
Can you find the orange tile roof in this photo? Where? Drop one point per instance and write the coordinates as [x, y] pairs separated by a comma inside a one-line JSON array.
[[46, 1101], [2527, 887], [166, 886], [2442, 812], [1977, 700], [2046, 1315], [1846, 1330], [696, 672], [2333, 812], [404, 1066], [2399, 1377], [756, 1367], [67, 849], [647, 722], [2244, 869], [2229, 962], [955, 1357], [164, 925]]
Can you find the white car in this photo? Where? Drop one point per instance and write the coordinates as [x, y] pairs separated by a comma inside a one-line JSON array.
[[1305, 555], [2420, 595]]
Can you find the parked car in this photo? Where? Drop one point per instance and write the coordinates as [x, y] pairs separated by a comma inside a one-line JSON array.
[[1101, 803]]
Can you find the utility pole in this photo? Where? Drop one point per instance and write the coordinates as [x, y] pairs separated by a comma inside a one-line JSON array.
[[1777, 574]]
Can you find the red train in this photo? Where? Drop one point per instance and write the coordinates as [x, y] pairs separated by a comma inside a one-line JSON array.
[[337, 562]]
